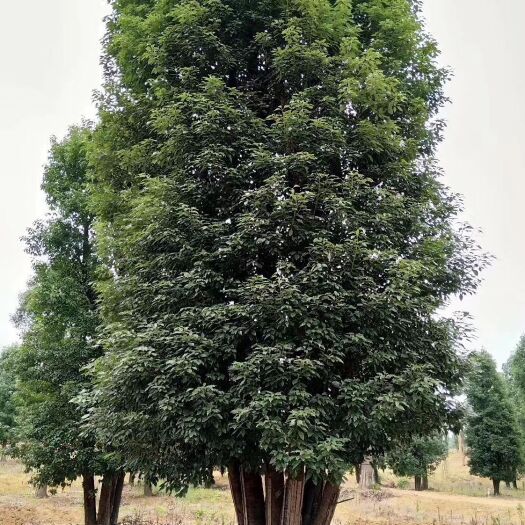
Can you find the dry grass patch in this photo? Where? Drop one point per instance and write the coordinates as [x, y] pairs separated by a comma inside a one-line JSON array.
[[456, 498]]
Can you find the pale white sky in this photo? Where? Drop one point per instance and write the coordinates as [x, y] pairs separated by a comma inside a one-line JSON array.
[[50, 66], [484, 151], [49, 52]]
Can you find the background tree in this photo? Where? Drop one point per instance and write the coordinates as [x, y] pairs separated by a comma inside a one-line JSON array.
[[418, 458], [58, 319], [7, 396], [277, 243], [492, 436], [514, 373]]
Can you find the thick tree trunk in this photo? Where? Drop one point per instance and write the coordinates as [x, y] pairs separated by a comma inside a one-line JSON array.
[[116, 499], [274, 490], [110, 498], [288, 501], [328, 504], [234, 477], [104, 503], [313, 494], [293, 500], [366, 480], [148, 488], [424, 481], [90, 499], [495, 484], [417, 483], [253, 498], [377, 479], [41, 492]]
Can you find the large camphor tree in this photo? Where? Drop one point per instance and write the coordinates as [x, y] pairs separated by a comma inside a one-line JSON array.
[[492, 434], [277, 242], [58, 319]]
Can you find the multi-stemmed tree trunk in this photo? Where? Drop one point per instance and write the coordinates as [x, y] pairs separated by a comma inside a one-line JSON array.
[[286, 500], [110, 498]]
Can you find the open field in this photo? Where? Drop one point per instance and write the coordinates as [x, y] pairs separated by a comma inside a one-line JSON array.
[[456, 498]]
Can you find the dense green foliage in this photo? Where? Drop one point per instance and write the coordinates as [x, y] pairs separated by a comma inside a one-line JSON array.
[[492, 434], [58, 321], [276, 236], [418, 458], [7, 396], [514, 371]]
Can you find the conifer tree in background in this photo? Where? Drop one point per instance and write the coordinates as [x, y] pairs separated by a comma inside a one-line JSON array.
[[492, 436], [58, 319], [418, 458], [277, 242]]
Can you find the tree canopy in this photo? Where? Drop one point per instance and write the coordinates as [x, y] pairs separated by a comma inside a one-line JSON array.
[[492, 434], [276, 235], [58, 319], [418, 458]]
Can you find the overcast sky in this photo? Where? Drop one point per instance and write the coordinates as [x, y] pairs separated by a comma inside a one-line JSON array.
[[50, 66], [49, 55]]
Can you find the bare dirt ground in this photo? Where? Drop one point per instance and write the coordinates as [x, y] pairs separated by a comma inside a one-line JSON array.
[[456, 499]]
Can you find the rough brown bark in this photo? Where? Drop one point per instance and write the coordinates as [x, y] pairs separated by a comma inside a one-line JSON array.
[[116, 498], [377, 479], [234, 477], [325, 513], [90, 499], [495, 484], [292, 512], [424, 482], [312, 498], [104, 503], [417, 483], [41, 492], [366, 479], [358, 474], [148, 488], [253, 498], [274, 490]]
